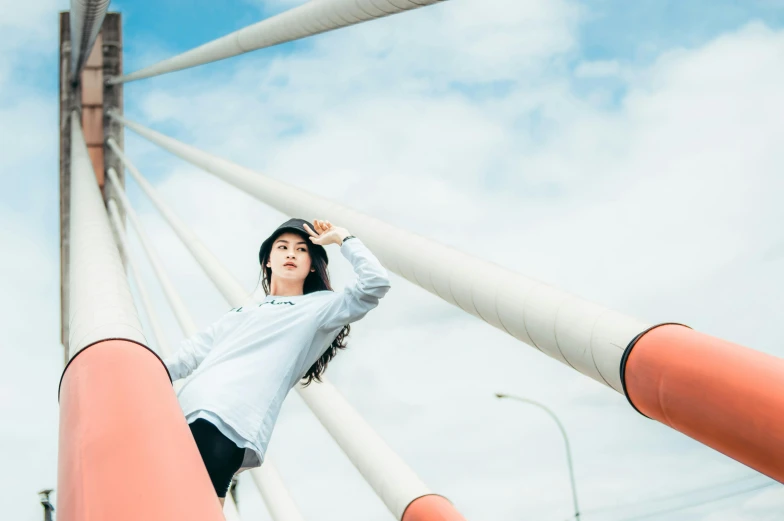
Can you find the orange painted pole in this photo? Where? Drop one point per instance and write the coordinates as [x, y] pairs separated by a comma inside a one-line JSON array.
[[726, 396], [431, 508], [126, 453]]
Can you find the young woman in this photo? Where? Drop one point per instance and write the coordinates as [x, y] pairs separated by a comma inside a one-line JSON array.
[[244, 364]]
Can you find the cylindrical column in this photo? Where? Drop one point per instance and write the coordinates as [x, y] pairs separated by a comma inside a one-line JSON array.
[[726, 396], [230, 509], [310, 18], [280, 504], [275, 496], [125, 452], [86, 21], [100, 302], [394, 482], [431, 508]]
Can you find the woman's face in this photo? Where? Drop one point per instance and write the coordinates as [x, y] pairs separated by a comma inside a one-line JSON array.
[[290, 257]]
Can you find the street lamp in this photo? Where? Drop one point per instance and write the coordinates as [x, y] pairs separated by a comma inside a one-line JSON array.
[[48, 508], [566, 441]]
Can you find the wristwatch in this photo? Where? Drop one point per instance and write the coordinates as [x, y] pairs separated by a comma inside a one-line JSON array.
[[347, 238]]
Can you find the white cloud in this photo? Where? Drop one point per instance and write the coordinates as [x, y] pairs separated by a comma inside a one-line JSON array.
[[27, 15], [597, 69], [27, 32]]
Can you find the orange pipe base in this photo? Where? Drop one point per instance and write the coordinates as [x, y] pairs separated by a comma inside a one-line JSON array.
[[126, 452], [431, 508], [726, 396]]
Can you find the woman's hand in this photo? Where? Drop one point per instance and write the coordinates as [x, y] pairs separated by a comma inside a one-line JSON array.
[[326, 233]]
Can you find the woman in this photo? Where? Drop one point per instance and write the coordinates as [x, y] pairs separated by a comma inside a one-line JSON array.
[[245, 363]]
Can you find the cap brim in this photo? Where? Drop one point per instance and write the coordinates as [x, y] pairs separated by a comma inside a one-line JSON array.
[[280, 231]]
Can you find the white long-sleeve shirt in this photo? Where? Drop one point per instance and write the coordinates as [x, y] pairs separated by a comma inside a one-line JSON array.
[[244, 364]]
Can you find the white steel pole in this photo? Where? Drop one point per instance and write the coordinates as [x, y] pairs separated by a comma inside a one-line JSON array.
[[155, 324], [394, 482], [230, 509], [586, 336], [101, 305], [226, 284], [314, 17], [280, 502], [392, 479], [184, 318]]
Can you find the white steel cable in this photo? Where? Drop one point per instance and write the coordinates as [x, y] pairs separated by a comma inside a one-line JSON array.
[[314, 17], [586, 336], [86, 19], [176, 303], [228, 286], [279, 504], [164, 348]]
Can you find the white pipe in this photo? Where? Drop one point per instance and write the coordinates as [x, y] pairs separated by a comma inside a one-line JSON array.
[[586, 336], [226, 284], [230, 511], [394, 482], [184, 318], [100, 302], [188, 326], [314, 17], [392, 479], [279, 503], [163, 344], [155, 325], [86, 19]]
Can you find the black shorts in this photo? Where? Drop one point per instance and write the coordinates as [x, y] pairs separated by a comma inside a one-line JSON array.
[[220, 455]]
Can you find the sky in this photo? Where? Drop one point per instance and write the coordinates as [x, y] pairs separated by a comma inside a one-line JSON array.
[[626, 153]]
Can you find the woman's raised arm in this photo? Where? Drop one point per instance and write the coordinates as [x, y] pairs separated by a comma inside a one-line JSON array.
[[190, 354], [372, 280], [358, 299]]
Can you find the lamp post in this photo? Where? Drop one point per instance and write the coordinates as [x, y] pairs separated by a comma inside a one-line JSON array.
[[566, 442], [48, 508]]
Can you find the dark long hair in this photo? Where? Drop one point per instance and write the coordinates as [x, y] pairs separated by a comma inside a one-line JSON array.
[[315, 281]]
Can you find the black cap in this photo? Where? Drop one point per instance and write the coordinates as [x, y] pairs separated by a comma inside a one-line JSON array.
[[296, 225]]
